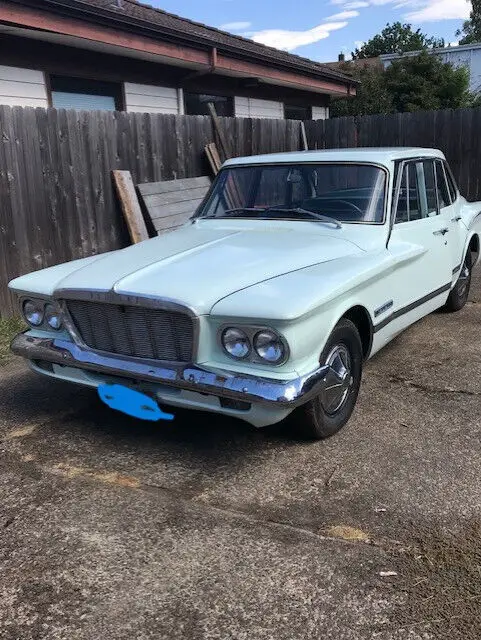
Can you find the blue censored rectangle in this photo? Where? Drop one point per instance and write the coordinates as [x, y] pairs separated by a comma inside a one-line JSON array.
[[131, 402]]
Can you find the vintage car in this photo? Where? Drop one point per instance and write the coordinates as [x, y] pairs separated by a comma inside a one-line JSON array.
[[295, 269]]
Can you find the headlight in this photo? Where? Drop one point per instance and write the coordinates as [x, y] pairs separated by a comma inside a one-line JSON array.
[[269, 346], [236, 342], [33, 311], [53, 317]]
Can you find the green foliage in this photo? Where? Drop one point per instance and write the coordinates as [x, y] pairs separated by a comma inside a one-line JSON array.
[[471, 31], [372, 95], [8, 329], [415, 83], [396, 38], [424, 82]]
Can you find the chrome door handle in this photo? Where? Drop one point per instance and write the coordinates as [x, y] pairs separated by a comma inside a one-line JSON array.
[[441, 232], [456, 219]]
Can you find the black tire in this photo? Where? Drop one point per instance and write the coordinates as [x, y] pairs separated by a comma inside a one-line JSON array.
[[460, 292], [319, 419]]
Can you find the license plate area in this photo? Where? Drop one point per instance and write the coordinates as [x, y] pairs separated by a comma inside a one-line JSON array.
[[132, 402]]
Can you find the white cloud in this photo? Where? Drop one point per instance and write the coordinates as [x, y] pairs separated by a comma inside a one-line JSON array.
[[290, 40], [344, 15], [434, 10], [235, 26], [359, 4]]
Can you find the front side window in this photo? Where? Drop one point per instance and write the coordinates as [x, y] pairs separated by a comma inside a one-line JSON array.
[[409, 202], [417, 192], [352, 193]]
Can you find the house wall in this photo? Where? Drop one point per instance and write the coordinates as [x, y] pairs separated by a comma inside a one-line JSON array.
[[320, 113], [147, 86], [254, 108], [23, 87], [151, 99]]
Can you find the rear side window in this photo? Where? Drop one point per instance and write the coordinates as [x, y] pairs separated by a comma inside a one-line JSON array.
[[432, 201], [443, 191]]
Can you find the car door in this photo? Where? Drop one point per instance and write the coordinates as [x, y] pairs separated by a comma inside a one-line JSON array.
[[422, 273], [448, 201]]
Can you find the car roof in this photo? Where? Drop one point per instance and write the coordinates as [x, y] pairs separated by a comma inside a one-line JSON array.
[[378, 155]]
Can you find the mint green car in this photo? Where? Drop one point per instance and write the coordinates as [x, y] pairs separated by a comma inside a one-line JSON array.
[[295, 270]]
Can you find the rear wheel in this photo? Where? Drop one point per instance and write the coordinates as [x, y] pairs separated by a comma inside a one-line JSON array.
[[460, 292], [327, 413]]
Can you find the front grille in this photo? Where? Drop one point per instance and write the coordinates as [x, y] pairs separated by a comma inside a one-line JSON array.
[[156, 334]]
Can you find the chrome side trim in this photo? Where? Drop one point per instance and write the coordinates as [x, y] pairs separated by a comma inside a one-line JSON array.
[[220, 383], [410, 307]]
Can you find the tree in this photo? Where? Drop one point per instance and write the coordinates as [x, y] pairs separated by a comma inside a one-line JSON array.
[[372, 95], [423, 82], [413, 83], [396, 38], [471, 31]]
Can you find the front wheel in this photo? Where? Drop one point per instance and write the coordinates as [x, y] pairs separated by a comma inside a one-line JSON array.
[[327, 413], [460, 292]]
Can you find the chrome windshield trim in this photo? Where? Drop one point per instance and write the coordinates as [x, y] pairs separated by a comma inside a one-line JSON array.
[[198, 215], [190, 377]]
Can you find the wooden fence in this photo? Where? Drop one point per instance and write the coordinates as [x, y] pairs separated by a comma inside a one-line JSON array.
[[456, 132], [57, 201]]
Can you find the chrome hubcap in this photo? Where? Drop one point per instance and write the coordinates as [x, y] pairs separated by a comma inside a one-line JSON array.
[[463, 280], [338, 381]]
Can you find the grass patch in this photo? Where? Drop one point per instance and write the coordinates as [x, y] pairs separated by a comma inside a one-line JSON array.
[[8, 328], [439, 578]]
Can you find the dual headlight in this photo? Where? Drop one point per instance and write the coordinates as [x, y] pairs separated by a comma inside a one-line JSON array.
[[265, 345], [39, 312]]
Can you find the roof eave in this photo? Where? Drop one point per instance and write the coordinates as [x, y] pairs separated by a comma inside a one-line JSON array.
[[108, 18]]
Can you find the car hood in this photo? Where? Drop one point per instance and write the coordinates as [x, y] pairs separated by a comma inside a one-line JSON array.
[[198, 266]]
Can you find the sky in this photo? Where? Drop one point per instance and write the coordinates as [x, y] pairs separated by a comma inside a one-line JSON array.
[[320, 29]]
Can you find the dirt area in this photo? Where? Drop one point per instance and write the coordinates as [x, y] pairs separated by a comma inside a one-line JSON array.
[[205, 528]]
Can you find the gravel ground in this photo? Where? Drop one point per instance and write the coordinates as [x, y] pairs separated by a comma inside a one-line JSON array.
[[205, 528]]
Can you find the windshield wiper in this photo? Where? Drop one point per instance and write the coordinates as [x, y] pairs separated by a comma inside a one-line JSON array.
[[313, 214], [230, 212]]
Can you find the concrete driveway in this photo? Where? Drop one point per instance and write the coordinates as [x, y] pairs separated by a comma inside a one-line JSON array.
[[205, 528]]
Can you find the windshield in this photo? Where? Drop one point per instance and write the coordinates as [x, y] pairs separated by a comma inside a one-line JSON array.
[[315, 192]]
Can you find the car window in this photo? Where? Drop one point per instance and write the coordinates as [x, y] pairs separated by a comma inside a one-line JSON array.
[[273, 186], [430, 182], [409, 203], [344, 191], [443, 191], [453, 191]]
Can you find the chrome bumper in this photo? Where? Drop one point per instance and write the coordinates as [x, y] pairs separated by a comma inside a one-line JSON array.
[[225, 384]]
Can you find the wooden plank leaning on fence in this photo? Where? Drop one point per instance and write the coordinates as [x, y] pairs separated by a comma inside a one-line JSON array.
[[169, 204], [130, 206]]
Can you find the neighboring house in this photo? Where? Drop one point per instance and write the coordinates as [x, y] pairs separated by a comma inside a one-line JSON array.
[[467, 55], [346, 66], [123, 55]]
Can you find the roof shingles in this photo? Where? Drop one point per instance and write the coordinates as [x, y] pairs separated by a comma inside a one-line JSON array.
[[175, 25]]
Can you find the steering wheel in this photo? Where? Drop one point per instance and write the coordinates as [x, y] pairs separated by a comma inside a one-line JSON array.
[[351, 204]]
